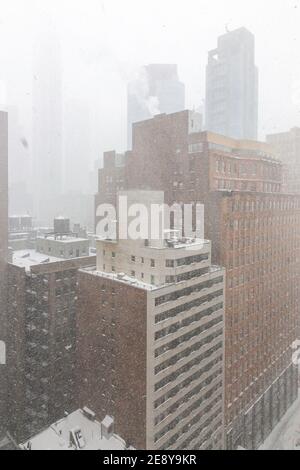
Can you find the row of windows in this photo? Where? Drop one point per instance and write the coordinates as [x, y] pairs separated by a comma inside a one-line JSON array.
[[231, 167], [187, 336], [279, 221], [191, 274], [195, 391], [232, 185], [185, 414], [186, 428], [187, 321], [133, 258], [171, 263], [263, 204], [172, 296], [201, 301], [194, 303], [184, 354], [206, 436], [186, 276], [195, 148], [189, 380]]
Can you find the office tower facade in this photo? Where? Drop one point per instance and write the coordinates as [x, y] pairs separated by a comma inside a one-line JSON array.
[[252, 224], [3, 259], [287, 146], [232, 86], [47, 128], [150, 339], [157, 90], [42, 295]]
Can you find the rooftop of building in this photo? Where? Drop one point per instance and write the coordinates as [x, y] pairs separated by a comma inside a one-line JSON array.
[[239, 147], [65, 238], [28, 258], [134, 282], [78, 431], [172, 242], [122, 278]]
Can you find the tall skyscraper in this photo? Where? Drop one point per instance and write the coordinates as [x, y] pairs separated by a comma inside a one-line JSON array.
[[232, 86], [156, 91], [3, 258], [47, 127]]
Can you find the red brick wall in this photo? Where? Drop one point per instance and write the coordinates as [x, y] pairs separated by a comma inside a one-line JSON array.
[[111, 353]]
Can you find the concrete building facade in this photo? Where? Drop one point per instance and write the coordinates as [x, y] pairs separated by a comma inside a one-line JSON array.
[[63, 246], [150, 340]]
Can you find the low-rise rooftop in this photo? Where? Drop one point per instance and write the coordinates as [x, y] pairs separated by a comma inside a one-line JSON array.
[[78, 431], [27, 258]]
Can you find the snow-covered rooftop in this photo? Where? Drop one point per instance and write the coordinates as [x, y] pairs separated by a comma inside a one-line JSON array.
[[27, 258], [123, 278], [77, 431], [63, 239]]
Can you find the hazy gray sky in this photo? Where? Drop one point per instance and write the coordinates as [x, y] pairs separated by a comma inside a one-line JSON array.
[[105, 41]]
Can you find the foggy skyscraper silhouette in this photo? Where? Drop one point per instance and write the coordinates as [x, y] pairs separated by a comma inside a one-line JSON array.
[[156, 91], [232, 86], [47, 126]]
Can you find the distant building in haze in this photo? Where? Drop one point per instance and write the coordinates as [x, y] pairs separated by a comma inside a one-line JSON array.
[[157, 90], [232, 86], [47, 127]]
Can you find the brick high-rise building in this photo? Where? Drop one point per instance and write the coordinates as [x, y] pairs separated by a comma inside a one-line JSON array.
[[287, 146], [150, 339], [253, 228], [111, 179], [3, 258], [42, 309]]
